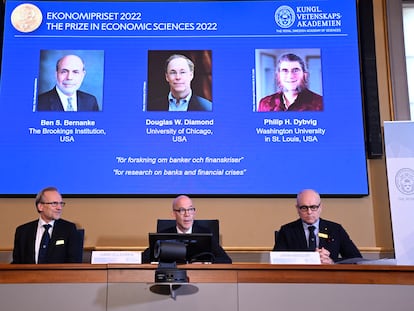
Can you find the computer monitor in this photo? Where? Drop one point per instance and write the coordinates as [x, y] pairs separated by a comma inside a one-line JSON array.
[[198, 245]]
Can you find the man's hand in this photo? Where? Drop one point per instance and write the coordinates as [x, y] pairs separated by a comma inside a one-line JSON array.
[[324, 255]]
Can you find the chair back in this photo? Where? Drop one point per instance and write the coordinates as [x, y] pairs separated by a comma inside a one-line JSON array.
[[81, 237], [276, 232]]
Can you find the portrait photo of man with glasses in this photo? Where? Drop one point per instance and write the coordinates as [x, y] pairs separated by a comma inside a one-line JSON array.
[[284, 81]]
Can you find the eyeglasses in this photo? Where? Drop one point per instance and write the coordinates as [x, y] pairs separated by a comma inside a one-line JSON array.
[[305, 208], [55, 203], [182, 211], [294, 71]]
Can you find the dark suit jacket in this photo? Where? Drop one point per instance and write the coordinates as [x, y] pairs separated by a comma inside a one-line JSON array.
[[218, 252], [291, 237], [50, 101], [197, 103], [64, 247]]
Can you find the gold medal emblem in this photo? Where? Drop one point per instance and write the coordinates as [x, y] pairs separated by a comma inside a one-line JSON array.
[[26, 17]]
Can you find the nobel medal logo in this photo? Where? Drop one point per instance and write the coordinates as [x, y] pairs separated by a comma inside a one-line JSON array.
[[26, 17], [284, 16], [404, 180]]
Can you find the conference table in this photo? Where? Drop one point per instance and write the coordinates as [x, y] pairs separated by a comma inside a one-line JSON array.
[[237, 286]]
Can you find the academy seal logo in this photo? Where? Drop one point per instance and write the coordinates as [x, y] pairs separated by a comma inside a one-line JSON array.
[[284, 16], [404, 180], [26, 17]]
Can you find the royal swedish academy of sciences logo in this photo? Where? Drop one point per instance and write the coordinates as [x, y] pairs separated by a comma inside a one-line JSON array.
[[404, 180], [284, 16]]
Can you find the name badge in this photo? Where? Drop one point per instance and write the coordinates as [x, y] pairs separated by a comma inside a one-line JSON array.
[[289, 258]]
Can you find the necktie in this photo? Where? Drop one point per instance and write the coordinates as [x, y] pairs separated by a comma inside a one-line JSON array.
[[44, 244], [69, 107], [312, 238]]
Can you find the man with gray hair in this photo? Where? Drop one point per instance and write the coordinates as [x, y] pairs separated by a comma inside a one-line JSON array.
[[66, 96], [48, 239], [314, 234]]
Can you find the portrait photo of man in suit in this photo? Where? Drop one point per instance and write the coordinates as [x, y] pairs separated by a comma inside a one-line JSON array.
[[48, 239], [185, 90], [65, 95]]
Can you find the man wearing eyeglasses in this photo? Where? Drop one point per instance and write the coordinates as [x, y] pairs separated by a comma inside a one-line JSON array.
[[48, 239], [293, 93], [312, 233], [184, 213]]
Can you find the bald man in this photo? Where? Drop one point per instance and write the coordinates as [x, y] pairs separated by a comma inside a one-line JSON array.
[[66, 96], [184, 213], [329, 238]]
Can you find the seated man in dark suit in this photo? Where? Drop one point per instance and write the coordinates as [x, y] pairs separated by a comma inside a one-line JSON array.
[[328, 238], [184, 213], [48, 239], [66, 96]]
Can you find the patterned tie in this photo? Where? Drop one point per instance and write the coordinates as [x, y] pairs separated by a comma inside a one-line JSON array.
[[69, 107], [312, 238], [44, 244]]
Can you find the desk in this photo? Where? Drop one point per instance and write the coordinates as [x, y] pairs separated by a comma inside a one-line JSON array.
[[236, 287]]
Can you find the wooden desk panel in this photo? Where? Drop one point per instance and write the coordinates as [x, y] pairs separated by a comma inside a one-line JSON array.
[[197, 273], [53, 273], [201, 273], [236, 287], [341, 274]]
